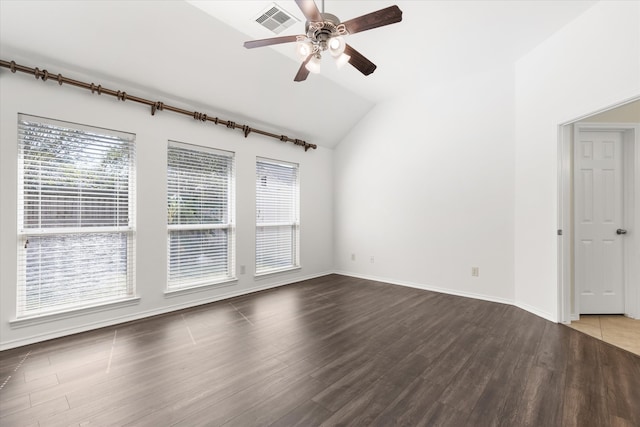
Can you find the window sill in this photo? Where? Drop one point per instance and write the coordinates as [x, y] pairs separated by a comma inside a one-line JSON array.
[[77, 312], [276, 272], [200, 288]]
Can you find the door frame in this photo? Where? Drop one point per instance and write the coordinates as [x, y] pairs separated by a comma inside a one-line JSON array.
[[568, 300]]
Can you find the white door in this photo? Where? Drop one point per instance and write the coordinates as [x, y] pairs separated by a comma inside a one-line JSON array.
[[598, 206]]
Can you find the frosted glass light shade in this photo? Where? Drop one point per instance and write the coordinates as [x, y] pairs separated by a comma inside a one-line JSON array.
[[342, 60], [303, 49], [314, 64], [336, 46]]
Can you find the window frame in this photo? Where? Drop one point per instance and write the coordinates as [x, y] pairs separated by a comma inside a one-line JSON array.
[[229, 226], [294, 225], [25, 232]]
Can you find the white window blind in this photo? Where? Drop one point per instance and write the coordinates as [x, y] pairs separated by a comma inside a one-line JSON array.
[[277, 216], [76, 216], [200, 215]]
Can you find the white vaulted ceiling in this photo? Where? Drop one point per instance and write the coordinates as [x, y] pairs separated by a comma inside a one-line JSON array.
[[192, 51]]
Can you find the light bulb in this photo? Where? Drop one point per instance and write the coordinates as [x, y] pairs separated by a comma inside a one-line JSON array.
[[342, 60], [303, 49], [336, 46], [314, 64]]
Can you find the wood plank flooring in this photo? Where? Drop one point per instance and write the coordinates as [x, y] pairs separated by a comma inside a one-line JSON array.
[[329, 351]]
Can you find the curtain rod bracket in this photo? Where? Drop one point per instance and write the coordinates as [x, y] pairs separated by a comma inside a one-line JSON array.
[[156, 106]]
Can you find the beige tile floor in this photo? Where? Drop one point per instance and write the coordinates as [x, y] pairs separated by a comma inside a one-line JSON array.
[[618, 330]]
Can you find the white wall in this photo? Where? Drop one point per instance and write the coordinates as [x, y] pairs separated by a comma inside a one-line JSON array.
[[429, 184], [424, 184], [21, 93], [592, 63]]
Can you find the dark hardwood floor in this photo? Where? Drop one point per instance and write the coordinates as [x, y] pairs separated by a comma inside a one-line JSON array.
[[329, 351]]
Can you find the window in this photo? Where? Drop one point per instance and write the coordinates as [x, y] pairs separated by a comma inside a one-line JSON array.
[[277, 216], [75, 216], [200, 216]]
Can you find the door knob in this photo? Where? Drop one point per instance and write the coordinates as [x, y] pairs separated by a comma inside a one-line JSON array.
[[621, 231]]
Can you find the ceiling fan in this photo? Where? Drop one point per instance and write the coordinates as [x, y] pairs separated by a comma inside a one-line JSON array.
[[324, 32]]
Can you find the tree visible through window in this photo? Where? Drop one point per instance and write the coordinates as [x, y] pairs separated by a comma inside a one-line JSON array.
[[76, 216]]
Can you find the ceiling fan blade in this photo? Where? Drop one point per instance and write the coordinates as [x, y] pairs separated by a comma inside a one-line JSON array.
[[361, 63], [309, 10], [268, 42], [380, 18], [303, 73]]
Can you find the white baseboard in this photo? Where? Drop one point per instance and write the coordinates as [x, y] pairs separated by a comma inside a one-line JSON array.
[[429, 288], [287, 281], [85, 327], [526, 307], [537, 312]]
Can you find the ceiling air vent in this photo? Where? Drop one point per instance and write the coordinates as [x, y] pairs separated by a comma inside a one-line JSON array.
[[276, 19]]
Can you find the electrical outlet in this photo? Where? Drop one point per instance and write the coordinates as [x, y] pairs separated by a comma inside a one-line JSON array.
[[372, 260], [243, 269], [475, 271], [353, 257]]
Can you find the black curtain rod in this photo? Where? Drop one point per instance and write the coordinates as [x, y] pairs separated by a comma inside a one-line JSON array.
[[155, 106]]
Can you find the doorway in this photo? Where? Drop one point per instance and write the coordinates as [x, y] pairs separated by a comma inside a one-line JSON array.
[[599, 219], [599, 214]]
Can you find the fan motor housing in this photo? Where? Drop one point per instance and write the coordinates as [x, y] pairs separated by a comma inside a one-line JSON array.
[[322, 31]]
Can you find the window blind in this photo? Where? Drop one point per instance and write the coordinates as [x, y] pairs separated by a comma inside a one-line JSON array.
[[200, 215], [76, 216], [277, 216]]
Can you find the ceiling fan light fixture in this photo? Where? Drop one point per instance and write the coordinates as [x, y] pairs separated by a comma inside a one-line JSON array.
[[324, 31], [342, 60], [314, 64], [336, 46]]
